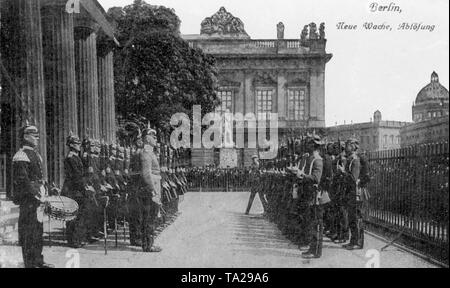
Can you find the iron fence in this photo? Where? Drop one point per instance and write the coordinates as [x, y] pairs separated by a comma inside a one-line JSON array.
[[410, 195]]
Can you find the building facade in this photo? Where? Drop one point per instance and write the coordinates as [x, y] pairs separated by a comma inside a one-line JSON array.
[[430, 112], [284, 76], [57, 73], [375, 135]]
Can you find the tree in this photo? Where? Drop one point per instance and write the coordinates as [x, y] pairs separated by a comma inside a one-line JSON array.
[[157, 74]]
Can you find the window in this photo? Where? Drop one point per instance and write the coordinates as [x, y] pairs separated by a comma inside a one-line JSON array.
[[226, 96], [392, 139], [264, 102], [385, 138], [296, 104]]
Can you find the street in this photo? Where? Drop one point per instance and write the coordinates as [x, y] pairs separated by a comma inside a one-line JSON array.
[[212, 231]]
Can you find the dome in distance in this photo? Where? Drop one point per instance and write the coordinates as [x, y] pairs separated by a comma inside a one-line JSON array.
[[433, 91]]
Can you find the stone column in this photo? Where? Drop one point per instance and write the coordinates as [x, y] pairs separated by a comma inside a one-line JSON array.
[[317, 98], [60, 83], [107, 107], [23, 95], [86, 76]]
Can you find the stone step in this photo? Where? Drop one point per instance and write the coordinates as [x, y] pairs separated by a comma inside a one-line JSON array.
[[9, 222]]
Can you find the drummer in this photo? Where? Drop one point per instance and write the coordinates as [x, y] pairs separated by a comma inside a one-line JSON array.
[[28, 181]]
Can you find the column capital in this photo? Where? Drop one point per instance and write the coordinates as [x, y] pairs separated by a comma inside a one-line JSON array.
[[83, 21], [104, 44]]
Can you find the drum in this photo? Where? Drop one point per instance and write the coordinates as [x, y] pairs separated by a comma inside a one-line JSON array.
[[61, 208]]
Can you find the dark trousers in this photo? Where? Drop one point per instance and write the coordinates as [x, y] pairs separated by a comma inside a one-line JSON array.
[[342, 222], [356, 223], [134, 220], [149, 213], [315, 217], [77, 229], [31, 235], [253, 193]]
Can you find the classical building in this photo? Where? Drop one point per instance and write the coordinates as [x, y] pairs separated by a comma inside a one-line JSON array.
[[430, 113], [57, 73], [378, 134], [284, 76]]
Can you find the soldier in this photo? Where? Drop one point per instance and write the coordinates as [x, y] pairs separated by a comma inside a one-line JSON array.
[[254, 185], [310, 177], [150, 192], [325, 186], [339, 195], [28, 185], [135, 184], [74, 187], [121, 183], [353, 199]]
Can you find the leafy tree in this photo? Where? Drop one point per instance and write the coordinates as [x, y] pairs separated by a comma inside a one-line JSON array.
[[157, 74]]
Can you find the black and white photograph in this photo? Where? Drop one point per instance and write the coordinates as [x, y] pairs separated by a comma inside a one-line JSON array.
[[224, 134]]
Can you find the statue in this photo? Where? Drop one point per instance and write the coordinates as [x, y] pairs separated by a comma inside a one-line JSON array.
[[304, 35], [227, 121], [313, 31], [223, 23], [207, 26], [322, 30], [280, 31]]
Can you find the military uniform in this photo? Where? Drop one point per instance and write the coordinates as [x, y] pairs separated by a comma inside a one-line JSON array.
[[353, 200], [338, 196], [133, 203], [149, 193], [325, 186], [314, 215], [255, 189], [74, 187], [28, 180]]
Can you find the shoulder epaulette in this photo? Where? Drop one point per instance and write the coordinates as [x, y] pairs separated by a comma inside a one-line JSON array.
[[21, 156]]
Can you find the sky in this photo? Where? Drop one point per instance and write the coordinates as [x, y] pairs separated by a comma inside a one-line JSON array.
[[370, 69]]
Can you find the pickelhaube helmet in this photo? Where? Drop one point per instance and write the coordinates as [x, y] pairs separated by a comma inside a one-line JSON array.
[[354, 142], [73, 139], [86, 143], [148, 131], [314, 138], [28, 129]]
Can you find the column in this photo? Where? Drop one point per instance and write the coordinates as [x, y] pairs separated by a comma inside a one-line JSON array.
[[106, 104], [317, 97], [282, 96], [60, 84], [86, 76], [23, 95]]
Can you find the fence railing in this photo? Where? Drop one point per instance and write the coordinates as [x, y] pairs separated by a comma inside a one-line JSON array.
[[410, 195], [219, 180], [2, 173], [409, 191]]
